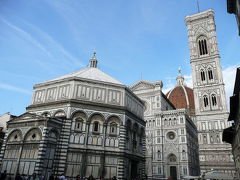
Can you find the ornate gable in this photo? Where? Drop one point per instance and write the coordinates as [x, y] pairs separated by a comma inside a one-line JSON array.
[[27, 116], [140, 85], [200, 31]]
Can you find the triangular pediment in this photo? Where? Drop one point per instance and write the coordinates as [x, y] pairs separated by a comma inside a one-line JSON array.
[[200, 31], [141, 85], [27, 116]]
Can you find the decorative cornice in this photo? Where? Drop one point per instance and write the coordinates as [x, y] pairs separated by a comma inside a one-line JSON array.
[[199, 16]]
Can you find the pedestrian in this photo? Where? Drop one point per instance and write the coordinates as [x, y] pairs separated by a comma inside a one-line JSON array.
[[18, 177], [78, 177], [23, 176], [114, 178], [34, 177], [3, 175], [41, 177], [62, 177], [51, 177], [91, 177]]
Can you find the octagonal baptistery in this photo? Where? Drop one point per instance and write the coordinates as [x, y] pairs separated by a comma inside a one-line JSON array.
[[84, 123], [182, 96]]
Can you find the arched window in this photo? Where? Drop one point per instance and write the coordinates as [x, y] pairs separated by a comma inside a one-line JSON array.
[[217, 139], [184, 154], [159, 154], [202, 45], [96, 126], [181, 119], [205, 139], [205, 101], [202, 75], [174, 121], [113, 128], [210, 74], [60, 113], [78, 124], [211, 139], [214, 100]]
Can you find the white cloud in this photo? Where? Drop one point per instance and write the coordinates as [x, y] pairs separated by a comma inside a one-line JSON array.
[[229, 74], [171, 82], [26, 36], [54, 50], [14, 88], [56, 47]]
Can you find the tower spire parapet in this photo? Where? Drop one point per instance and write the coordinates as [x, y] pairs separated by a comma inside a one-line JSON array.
[[180, 78], [93, 61]]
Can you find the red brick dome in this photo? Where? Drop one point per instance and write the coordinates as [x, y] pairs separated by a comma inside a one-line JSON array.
[[181, 96]]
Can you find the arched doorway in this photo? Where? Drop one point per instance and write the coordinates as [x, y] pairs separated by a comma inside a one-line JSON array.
[[172, 166]]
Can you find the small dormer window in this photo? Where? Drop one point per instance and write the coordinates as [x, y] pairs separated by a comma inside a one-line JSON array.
[[78, 124], [96, 126], [113, 128]]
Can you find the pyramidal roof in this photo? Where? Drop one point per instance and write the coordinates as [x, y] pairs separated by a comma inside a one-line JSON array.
[[90, 73]]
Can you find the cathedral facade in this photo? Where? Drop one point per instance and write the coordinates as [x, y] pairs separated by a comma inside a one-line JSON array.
[[171, 135], [84, 123], [209, 93], [87, 123]]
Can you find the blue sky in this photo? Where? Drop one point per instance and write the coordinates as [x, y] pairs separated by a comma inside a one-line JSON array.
[[41, 40]]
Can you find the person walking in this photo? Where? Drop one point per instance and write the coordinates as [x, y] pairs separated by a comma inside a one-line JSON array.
[[51, 177], [34, 177], [3, 175], [78, 177]]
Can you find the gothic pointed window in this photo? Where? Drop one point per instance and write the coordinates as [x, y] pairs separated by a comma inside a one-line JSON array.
[[210, 74], [202, 75], [217, 139], [214, 100], [181, 119], [202, 46], [205, 139], [205, 101], [159, 154], [165, 122], [184, 155], [205, 46]]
